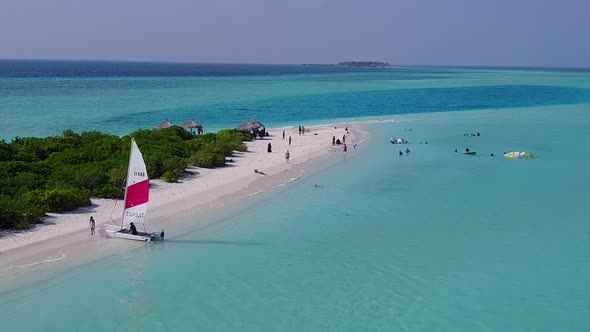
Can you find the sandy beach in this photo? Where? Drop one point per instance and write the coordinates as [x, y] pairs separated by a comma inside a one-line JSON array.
[[64, 236]]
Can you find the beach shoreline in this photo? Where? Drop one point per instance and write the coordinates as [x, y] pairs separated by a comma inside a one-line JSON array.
[[64, 238]]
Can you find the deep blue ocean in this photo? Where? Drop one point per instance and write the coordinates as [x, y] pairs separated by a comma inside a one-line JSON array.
[[40, 98], [430, 241]]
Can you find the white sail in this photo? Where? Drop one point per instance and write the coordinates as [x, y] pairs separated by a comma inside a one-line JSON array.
[[137, 188]]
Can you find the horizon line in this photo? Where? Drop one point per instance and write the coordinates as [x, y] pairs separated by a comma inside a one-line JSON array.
[[481, 66]]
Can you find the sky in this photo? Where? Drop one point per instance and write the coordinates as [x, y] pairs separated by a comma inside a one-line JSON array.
[[404, 32]]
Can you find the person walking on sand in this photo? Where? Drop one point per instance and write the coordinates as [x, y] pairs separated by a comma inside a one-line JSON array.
[[92, 225], [343, 138], [345, 148], [299, 130], [333, 140], [283, 134], [287, 155], [269, 148], [289, 140]]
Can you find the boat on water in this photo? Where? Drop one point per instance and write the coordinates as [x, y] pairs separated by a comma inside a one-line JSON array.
[[137, 194], [394, 140]]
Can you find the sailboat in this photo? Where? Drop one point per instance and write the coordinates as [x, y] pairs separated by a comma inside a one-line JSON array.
[[137, 196]]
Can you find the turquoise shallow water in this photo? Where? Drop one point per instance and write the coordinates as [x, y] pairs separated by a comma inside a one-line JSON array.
[[431, 241], [41, 106]]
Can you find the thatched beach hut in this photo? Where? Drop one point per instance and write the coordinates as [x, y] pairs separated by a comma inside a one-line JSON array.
[[251, 125], [192, 124], [165, 124], [254, 127]]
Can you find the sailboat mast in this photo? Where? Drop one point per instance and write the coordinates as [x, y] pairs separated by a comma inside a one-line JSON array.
[[127, 183]]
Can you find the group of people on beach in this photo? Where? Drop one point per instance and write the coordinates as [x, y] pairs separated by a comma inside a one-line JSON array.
[[289, 138], [259, 132], [301, 131], [132, 227], [337, 141], [269, 150]]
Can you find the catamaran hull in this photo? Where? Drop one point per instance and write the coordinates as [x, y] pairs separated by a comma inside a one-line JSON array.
[[118, 233]]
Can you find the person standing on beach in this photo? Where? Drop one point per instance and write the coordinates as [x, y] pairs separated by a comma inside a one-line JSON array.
[[299, 130], [269, 148], [302, 130], [283, 134], [289, 140], [92, 225], [345, 148], [287, 155], [333, 140], [344, 138]]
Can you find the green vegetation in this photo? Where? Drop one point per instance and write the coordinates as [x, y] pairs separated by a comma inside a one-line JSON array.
[[57, 174]]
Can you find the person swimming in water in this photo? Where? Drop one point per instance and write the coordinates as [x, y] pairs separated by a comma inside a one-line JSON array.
[[491, 154], [466, 149], [401, 153], [407, 150]]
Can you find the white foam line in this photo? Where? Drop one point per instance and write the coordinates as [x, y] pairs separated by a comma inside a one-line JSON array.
[[46, 260], [290, 180], [252, 194]]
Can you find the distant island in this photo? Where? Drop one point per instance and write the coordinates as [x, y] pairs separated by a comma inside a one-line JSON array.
[[363, 64], [356, 64]]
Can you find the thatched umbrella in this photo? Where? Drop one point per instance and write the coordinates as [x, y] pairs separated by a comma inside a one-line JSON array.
[[165, 124], [192, 124], [259, 124], [252, 125]]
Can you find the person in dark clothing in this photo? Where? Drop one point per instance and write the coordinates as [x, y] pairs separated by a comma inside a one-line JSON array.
[[289, 140], [133, 229], [401, 153], [407, 150], [333, 140], [283, 134], [269, 149]]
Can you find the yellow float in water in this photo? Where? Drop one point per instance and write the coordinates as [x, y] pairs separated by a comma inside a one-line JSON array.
[[518, 155]]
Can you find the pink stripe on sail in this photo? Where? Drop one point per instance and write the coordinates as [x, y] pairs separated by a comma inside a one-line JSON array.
[[137, 194]]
